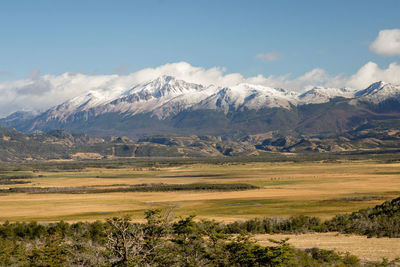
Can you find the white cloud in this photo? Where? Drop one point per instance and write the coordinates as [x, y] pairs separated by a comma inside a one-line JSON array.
[[304, 82], [271, 56], [370, 73], [39, 92], [387, 43]]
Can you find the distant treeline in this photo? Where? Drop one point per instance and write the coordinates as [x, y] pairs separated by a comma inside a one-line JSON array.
[[133, 188], [7, 179]]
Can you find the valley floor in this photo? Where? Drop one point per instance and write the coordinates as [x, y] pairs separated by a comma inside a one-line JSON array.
[[285, 189], [367, 249]]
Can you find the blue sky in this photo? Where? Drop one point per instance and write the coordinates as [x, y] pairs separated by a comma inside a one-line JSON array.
[[53, 50], [104, 37]]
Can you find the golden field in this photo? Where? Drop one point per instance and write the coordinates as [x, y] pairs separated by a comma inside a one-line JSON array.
[[286, 189], [367, 249]]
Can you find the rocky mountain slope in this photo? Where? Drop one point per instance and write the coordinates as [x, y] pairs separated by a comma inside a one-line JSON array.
[[60, 144]]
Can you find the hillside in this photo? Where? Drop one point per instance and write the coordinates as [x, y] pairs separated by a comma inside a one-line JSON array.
[[61, 144]]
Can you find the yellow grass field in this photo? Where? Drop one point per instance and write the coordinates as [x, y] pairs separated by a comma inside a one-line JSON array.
[[367, 249], [286, 189]]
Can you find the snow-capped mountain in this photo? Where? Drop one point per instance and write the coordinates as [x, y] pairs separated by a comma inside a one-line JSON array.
[[248, 96], [144, 97], [161, 97], [166, 96], [320, 94], [170, 105], [379, 92], [77, 104]]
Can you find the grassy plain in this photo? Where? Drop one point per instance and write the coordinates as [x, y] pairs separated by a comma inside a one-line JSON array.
[[286, 189], [367, 249]]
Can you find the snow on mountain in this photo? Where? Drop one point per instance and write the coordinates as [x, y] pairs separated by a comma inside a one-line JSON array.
[[166, 96], [247, 96], [80, 103], [319, 94], [141, 98], [20, 116], [164, 86], [162, 97], [379, 92], [183, 102]]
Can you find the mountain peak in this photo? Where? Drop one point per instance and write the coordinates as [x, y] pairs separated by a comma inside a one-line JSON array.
[[379, 92], [377, 84], [164, 79], [163, 86], [320, 94], [374, 88]]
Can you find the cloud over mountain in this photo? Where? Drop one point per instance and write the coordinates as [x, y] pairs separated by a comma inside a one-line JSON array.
[[44, 91], [371, 72]]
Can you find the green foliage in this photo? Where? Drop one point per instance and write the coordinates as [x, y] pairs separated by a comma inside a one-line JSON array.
[[324, 256], [51, 253], [300, 224], [382, 220], [12, 252]]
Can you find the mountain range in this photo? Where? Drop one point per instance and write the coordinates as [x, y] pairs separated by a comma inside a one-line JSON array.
[[167, 105]]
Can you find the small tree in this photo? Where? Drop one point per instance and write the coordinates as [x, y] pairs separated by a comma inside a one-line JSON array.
[[52, 252], [139, 244], [155, 231], [124, 240], [189, 243]]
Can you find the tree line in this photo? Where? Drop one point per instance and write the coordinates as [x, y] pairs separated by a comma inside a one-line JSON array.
[[161, 187], [157, 242], [379, 221]]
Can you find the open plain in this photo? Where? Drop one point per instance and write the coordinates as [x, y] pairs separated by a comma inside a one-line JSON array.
[[285, 189], [367, 249]]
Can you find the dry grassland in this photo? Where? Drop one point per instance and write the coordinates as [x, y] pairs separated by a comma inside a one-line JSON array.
[[286, 189], [367, 249]]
